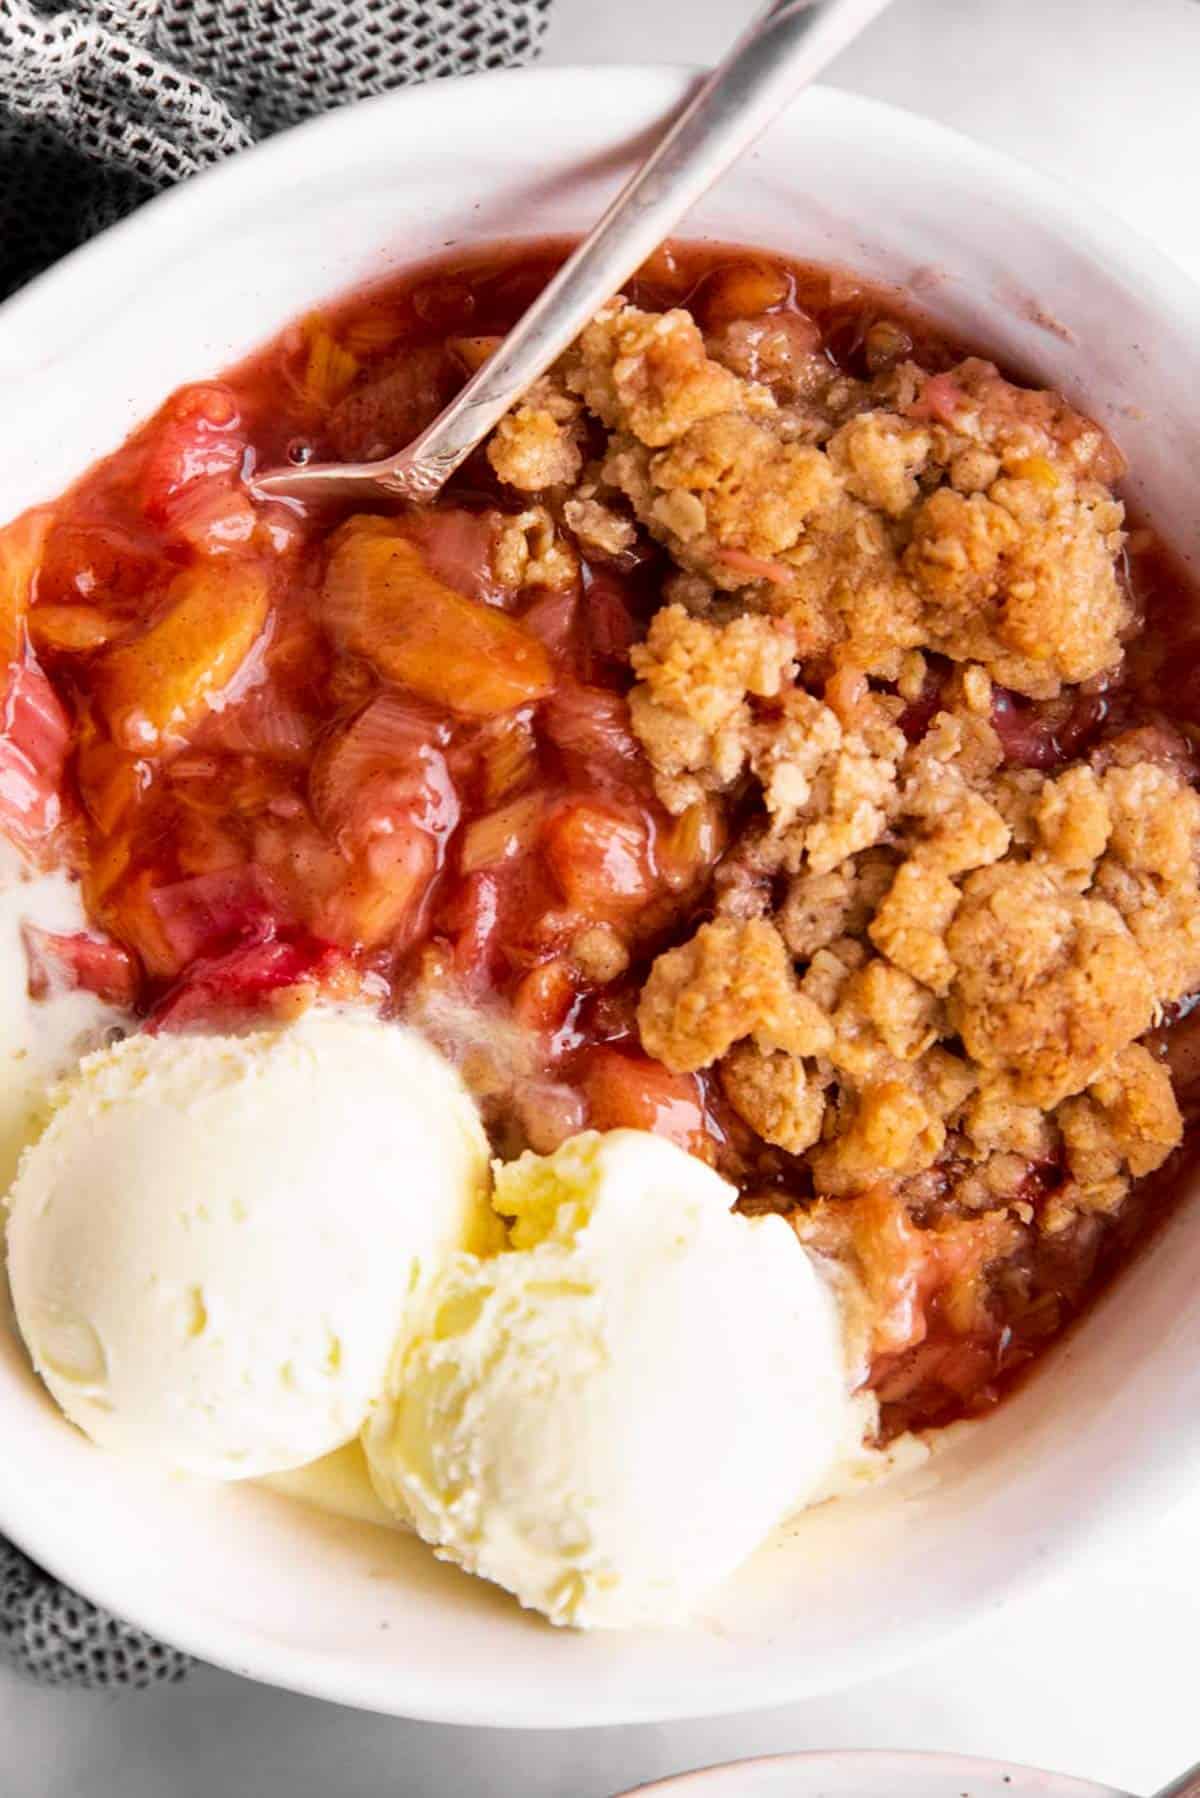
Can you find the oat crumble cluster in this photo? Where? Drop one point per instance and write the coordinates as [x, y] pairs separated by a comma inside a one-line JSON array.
[[927, 971]]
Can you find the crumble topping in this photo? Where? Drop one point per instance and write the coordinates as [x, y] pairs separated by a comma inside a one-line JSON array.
[[929, 960], [872, 517]]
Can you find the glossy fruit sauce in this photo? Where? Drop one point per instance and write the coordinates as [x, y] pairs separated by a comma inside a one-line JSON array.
[[441, 838]]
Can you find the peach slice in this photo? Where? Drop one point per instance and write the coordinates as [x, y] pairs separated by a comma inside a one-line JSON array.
[[21, 545], [382, 602], [155, 688], [72, 630]]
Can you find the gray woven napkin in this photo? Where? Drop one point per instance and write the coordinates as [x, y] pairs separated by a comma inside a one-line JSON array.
[[102, 104], [105, 101]]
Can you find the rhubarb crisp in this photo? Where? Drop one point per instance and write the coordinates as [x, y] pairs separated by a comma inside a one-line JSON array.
[[778, 736]]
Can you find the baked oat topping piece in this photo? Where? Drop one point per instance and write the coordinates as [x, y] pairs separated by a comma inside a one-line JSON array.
[[649, 374], [884, 1129], [880, 458], [952, 824], [1151, 867], [598, 528], [733, 979], [1023, 579], [1074, 821], [530, 551], [1124, 1126], [689, 708], [891, 1117], [829, 792], [882, 1015], [819, 908], [994, 1123], [1017, 423], [1155, 822], [1050, 985], [536, 446], [911, 923], [779, 1095], [1127, 1119], [728, 497]]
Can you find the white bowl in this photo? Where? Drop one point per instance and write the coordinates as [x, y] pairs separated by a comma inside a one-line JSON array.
[[1110, 1430], [872, 1774]]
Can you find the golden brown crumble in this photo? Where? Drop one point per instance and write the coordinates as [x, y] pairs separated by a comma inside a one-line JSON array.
[[530, 551], [989, 538], [536, 445], [928, 967], [731, 980]]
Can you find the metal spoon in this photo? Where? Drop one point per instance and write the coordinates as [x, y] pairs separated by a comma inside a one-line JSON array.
[[781, 52]]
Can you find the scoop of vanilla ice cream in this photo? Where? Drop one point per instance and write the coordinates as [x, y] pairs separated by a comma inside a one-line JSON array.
[[212, 1245], [40, 1039], [609, 1416]]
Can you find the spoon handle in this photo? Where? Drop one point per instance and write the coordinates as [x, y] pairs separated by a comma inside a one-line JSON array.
[[783, 50]]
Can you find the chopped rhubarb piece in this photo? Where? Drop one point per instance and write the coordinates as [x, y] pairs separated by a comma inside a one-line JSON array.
[[198, 437], [508, 751], [385, 897], [381, 790], [608, 615], [551, 618], [329, 368], [457, 548], [382, 602], [154, 688], [79, 962], [626, 1091], [212, 515], [127, 909], [1026, 736], [940, 400], [267, 722], [688, 848], [474, 919], [502, 835], [386, 765], [388, 408], [34, 739], [300, 859], [224, 990], [599, 857], [590, 723], [209, 911], [756, 568], [372, 331]]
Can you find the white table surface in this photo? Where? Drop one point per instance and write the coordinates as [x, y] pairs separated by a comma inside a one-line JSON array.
[[1095, 1676]]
